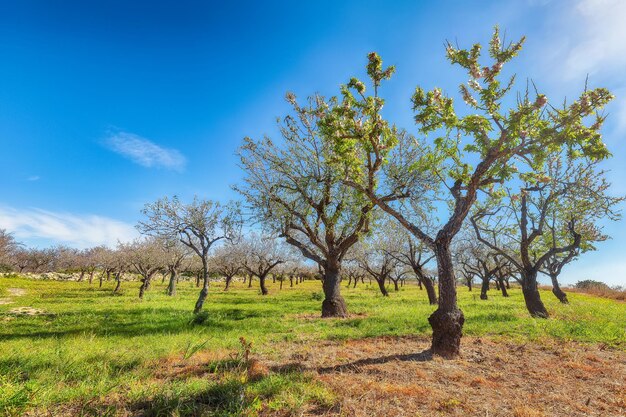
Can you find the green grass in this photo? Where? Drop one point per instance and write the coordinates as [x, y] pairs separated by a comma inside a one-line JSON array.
[[95, 346]]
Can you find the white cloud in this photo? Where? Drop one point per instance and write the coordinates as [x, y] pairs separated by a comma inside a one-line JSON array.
[[33, 178], [66, 228], [596, 43], [144, 152]]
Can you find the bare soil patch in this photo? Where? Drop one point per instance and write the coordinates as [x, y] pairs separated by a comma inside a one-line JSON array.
[[5, 301], [16, 292], [28, 311], [397, 376]]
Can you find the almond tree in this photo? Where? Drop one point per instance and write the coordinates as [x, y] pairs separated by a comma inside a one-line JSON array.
[[228, 261], [569, 197], [262, 255], [146, 258], [296, 191], [8, 247], [465, 150], [198, 225], [175, 254]]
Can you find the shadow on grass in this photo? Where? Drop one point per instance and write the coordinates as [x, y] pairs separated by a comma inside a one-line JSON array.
[[423, 356], [125, 323]]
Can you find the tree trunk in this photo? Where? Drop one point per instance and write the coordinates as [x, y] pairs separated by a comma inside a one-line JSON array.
[[419, 283], [333, 305], [395, 285], [469, 283], [557, 291], [118, 279], [447, 321], [91, 277], [505, 293], [355, 281], [100, 279], [381, 286], [250, 281], [205, 288], [508, 285], [80, 278], [198, 277], [228, 280], [171, 287], [282, 278], [532, 298], [264, 290], [145, 283], [430, 290], [484, 288], [290, 281]]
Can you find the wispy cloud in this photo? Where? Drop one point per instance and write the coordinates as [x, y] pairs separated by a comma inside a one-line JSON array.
[[33, 178], [144, 152], [66, 228], [598, 33]]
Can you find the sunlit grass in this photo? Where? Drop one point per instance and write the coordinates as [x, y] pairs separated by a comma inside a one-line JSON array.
[[96, 346]]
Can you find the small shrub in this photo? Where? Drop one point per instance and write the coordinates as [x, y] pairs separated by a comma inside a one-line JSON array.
[[317, 296]]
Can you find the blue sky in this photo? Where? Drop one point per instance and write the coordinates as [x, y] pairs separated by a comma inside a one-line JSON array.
[[106, 105]]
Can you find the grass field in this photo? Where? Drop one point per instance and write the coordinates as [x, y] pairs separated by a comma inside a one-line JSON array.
[[95, 353]]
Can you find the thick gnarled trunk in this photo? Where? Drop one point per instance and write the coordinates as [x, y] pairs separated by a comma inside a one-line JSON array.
[[381, 287], [447, 321], [264, 290], [333, 305], [484, 288], [532, 298]]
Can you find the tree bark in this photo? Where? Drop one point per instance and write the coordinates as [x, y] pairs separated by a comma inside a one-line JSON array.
[[171, 287], [250, 281], [469, 283], [264, 290], [430, 290], [80, 278], [505, 293], [447, 321], [395, 285], [484, 288], [381, 286], [532, 298], [228, 280], [333, 305], [145, 283], [204, 292], [557, 291], [118, 279]]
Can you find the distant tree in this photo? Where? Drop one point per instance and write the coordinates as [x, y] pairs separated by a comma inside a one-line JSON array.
[[8, 247], [176, 254], [146, 257], [262, 255], [228, 261], [198, 225]]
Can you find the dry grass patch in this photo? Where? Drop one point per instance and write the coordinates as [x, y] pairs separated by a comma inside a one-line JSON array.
[[397, 376]]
